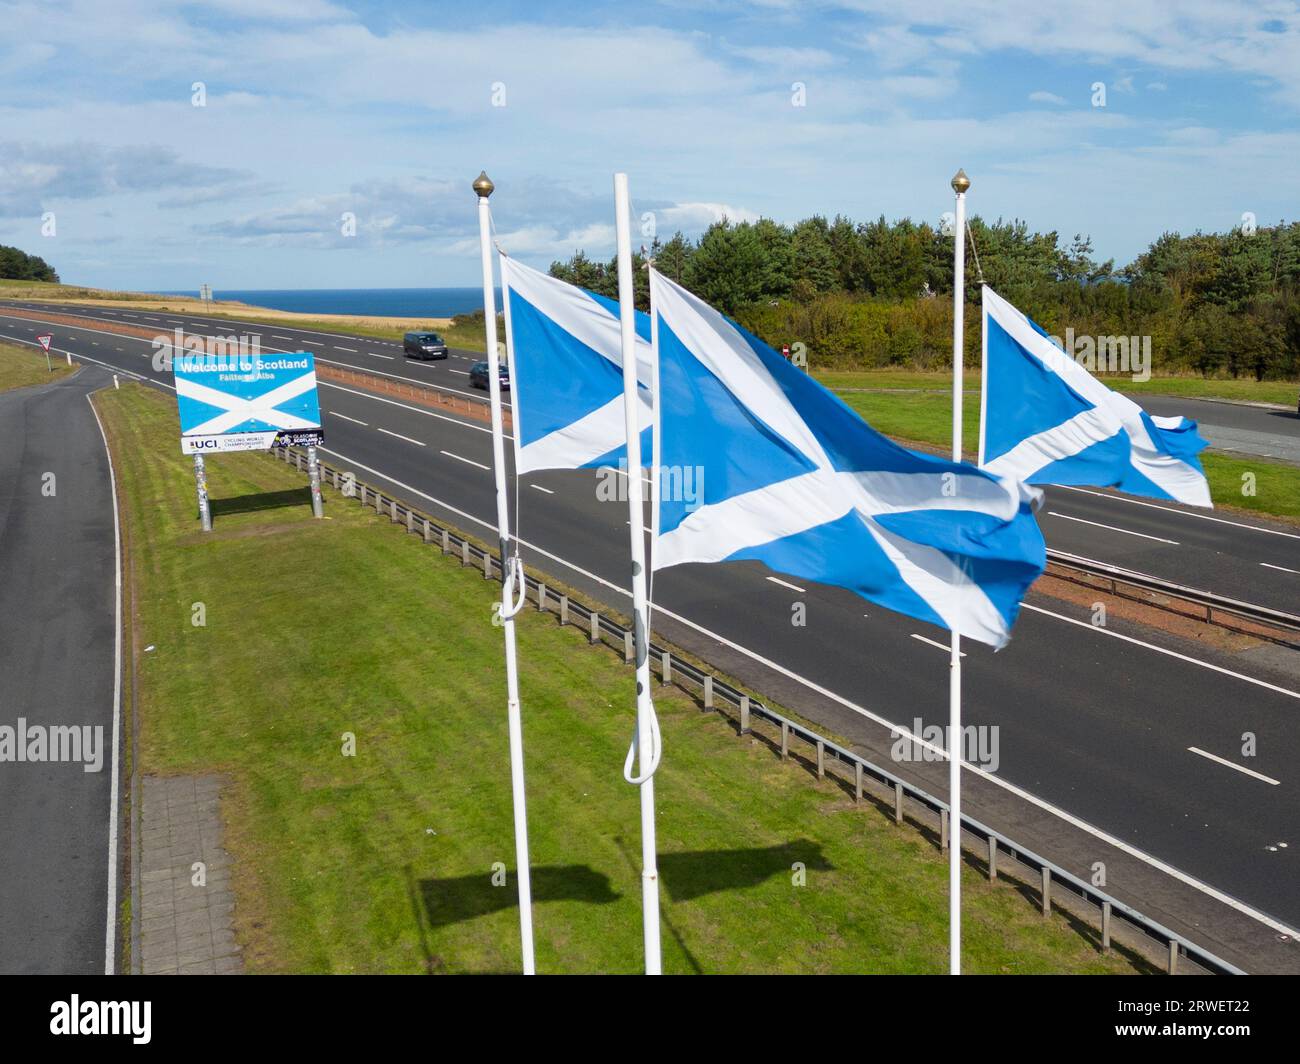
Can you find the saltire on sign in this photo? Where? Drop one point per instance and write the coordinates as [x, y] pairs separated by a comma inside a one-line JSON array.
[[793, 478], [566, 376], [246, 402], [1046, 420]]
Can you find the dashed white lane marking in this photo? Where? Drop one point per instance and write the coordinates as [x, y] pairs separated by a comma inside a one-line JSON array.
[[1283, 568], [314, 343], [1224, 761], [374, 354], [463, 373], [277, 336], [1098, 524], [467, 461], [418, 443], [934, 643], [355, 421], [353, 350], [538, 487], [792, 587]]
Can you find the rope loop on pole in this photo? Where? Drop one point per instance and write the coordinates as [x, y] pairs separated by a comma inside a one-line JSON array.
[[510, 606], [656, 750]]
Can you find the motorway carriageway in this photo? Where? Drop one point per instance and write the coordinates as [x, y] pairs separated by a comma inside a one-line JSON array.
[[1134, 732]]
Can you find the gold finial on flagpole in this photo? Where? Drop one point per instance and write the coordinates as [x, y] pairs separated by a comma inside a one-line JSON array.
[[960, 182], [483, 185]]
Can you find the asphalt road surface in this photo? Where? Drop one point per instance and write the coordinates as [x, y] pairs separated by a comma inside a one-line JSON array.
[[1132, 733], [58, 602]]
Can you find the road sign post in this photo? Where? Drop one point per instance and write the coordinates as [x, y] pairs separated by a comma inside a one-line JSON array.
[[45, 345], [201, 485], [313, 477]]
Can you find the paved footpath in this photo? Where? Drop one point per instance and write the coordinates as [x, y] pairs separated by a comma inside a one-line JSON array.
[[58, 603], [186, 908]]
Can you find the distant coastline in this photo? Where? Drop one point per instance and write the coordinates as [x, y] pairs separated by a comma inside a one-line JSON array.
[[359, 302]]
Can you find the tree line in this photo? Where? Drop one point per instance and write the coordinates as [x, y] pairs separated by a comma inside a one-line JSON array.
[[879, 293], [17, 265]]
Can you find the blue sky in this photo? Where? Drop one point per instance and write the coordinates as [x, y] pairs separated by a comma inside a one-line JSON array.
[[317, 109]]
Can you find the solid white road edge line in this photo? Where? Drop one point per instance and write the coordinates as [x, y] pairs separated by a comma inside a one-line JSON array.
[[1184, 513], [1020, 792], [1098, 524], [792, 587], [110, 932]]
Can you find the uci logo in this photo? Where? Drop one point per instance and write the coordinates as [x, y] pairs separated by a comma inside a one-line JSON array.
[[208, 444]]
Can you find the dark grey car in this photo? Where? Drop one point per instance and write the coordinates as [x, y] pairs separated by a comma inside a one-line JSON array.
[[424, 345]]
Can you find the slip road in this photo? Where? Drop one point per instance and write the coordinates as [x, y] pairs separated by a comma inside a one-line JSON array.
[[58, 644]]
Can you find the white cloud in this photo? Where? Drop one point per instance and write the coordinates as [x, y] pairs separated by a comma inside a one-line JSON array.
[[1046, 97]]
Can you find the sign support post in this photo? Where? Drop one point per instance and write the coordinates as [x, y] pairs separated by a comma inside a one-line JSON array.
[[201, 484], [313, 476]]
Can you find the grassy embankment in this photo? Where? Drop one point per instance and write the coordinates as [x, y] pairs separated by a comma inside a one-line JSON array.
[[382, 861], [21, 366], [917, 408]]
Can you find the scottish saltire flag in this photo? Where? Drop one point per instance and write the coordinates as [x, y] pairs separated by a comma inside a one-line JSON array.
[[791, 477], [1047, 420], [566, 373]]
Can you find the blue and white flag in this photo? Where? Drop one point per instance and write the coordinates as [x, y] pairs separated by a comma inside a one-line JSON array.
[[566, 373], [786, 474], [1047, 420]]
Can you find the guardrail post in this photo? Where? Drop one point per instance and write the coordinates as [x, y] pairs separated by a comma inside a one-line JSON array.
[[821, 759], [446, 542], [1173, 957], [629, 651], [541, 596], [428, 531], [857, 781], [708, 691], [943, 830], [363, 495], [487, 565], [1105, 926], [666, 668], [785, 739], [993, 858], [595, 627], [464, 553], [410, 520], [744, 714], [898, 803], [1047, 891], [564, 610]]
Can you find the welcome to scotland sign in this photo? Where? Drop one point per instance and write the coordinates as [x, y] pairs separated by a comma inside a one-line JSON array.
[[246, 402]]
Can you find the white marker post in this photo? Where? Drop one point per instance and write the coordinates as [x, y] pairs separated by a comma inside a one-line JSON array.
[[647, 738], [512, 574], [960, 183]]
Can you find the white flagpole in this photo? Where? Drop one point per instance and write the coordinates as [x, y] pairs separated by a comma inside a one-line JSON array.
[[511, 575], [960, 183], [647, 739]]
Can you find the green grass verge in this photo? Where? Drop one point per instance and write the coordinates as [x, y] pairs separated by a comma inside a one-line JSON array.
[[1280, 392], [21, 366], [917, 408], [382, 861]]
